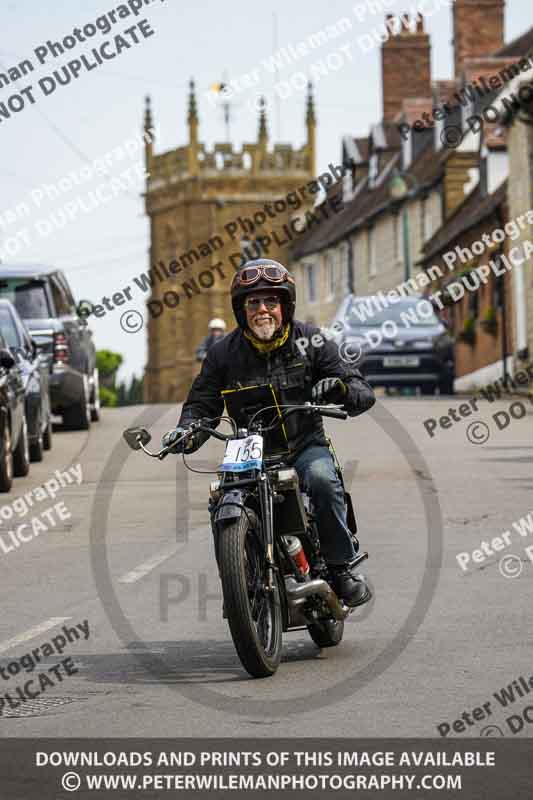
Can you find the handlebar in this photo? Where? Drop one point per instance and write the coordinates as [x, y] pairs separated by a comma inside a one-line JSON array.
[[335, 413], [137, 438]]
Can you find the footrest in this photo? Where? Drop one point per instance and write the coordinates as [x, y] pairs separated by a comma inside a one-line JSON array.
[[357, 560]]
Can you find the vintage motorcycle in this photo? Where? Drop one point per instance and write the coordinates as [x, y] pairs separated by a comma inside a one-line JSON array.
[[267, 546]]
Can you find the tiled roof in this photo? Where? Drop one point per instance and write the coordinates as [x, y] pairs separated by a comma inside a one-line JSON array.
[[368, 203], [470, 212], [519, 46]]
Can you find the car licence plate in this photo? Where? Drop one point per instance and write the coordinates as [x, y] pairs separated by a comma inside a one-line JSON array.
[[243, 454], [401, 361]]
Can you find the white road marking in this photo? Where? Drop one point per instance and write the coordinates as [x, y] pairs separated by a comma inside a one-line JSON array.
[[147, 566], [32, 633]]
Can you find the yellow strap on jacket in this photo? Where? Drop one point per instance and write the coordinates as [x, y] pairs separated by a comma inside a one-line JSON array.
[[267, 347]]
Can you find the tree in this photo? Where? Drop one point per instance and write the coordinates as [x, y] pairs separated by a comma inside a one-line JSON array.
[[108, 364]]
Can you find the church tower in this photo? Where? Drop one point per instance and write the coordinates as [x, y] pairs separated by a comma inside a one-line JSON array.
[[207, 216]]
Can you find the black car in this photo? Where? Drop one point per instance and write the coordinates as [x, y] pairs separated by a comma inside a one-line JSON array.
[[404, 344], [34, 373], [14, 442], [43, 299]]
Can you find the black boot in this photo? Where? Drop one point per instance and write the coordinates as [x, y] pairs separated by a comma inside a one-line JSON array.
[[351, 588]]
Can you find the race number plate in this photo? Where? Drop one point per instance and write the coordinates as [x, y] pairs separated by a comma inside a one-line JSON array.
[[242, 454]]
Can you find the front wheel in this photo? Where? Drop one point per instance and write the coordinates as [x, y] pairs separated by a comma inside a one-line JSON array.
[[253, 612], [327, 633]]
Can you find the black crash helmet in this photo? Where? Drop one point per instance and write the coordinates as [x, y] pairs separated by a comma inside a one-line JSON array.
[[263, 273]]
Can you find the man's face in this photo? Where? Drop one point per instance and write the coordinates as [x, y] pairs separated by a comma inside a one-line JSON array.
[[217, 332], [262, 316]]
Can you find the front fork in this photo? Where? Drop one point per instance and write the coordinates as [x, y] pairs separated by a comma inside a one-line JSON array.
[[267, 515]]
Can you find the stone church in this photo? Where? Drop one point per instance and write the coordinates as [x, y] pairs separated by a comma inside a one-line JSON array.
[[207, 215]]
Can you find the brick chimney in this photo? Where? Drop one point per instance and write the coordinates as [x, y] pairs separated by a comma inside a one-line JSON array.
[[405, 63], [478, 27]]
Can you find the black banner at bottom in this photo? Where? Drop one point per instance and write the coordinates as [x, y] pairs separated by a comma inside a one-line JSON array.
[[421, 769]]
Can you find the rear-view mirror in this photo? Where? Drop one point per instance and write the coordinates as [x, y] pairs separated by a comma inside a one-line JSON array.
[[135, 437]]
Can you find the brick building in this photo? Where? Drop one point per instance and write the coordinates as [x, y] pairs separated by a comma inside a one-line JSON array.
[[520, 198], [456, 180]]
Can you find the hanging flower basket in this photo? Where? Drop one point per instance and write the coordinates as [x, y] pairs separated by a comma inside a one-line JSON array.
[[490, 322], [468, 334]]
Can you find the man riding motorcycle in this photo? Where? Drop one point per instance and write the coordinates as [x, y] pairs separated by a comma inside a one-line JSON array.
[[263, 350]]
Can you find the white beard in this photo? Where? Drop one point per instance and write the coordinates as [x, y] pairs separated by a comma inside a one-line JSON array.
[[264, 330]]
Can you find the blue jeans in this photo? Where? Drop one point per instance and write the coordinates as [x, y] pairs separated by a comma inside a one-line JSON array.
[[319, 479]]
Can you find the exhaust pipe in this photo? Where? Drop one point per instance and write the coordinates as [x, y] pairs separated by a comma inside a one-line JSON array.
[[299, 593]]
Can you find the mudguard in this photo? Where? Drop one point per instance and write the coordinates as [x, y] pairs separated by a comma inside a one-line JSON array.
[[229, 507]]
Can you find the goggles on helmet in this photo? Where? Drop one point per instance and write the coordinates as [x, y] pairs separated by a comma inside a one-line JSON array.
[[270, 272]]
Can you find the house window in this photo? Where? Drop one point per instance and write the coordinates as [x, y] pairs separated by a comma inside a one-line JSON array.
[[346, 271], [425, 219], [331, 273], [473, 305], [396, 222], [310, 281], [373, 169], [372, 267]]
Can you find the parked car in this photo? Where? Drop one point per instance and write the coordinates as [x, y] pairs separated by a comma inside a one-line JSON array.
[[43, 299], [399, 346], [14, 443], [34, 372]]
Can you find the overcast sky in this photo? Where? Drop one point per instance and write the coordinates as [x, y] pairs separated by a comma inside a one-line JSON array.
[[101, 250]]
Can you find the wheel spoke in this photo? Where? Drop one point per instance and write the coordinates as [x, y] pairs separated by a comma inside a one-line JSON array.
[[260, 601]]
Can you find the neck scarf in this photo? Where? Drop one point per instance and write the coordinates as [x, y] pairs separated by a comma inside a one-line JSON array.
[[273, 344]]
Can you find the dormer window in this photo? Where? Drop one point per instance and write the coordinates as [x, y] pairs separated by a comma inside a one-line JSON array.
[[347, 186], [407, 150], [373, 169]]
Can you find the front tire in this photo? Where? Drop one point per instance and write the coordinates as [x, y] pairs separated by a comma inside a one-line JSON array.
[[328, 633], [254, 615]]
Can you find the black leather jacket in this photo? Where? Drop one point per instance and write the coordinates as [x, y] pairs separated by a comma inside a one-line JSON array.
[[234, 362]]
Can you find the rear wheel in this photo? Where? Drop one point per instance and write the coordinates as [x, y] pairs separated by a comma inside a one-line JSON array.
[[95, 399], [6, 460], [77, 417], [327, 633], [21, 455], [253, 612], [37, 447], [47, 435], [446, 385]]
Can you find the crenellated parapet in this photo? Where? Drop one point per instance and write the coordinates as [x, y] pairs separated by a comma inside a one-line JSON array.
[[194, 160]]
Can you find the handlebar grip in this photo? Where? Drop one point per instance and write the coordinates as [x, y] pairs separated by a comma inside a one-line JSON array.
[[214, 433], [336, 413]]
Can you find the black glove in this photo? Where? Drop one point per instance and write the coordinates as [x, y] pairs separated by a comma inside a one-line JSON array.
[[329, 390], [176, 433]]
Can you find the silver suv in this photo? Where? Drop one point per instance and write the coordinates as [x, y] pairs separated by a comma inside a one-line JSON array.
[[43, 299]]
